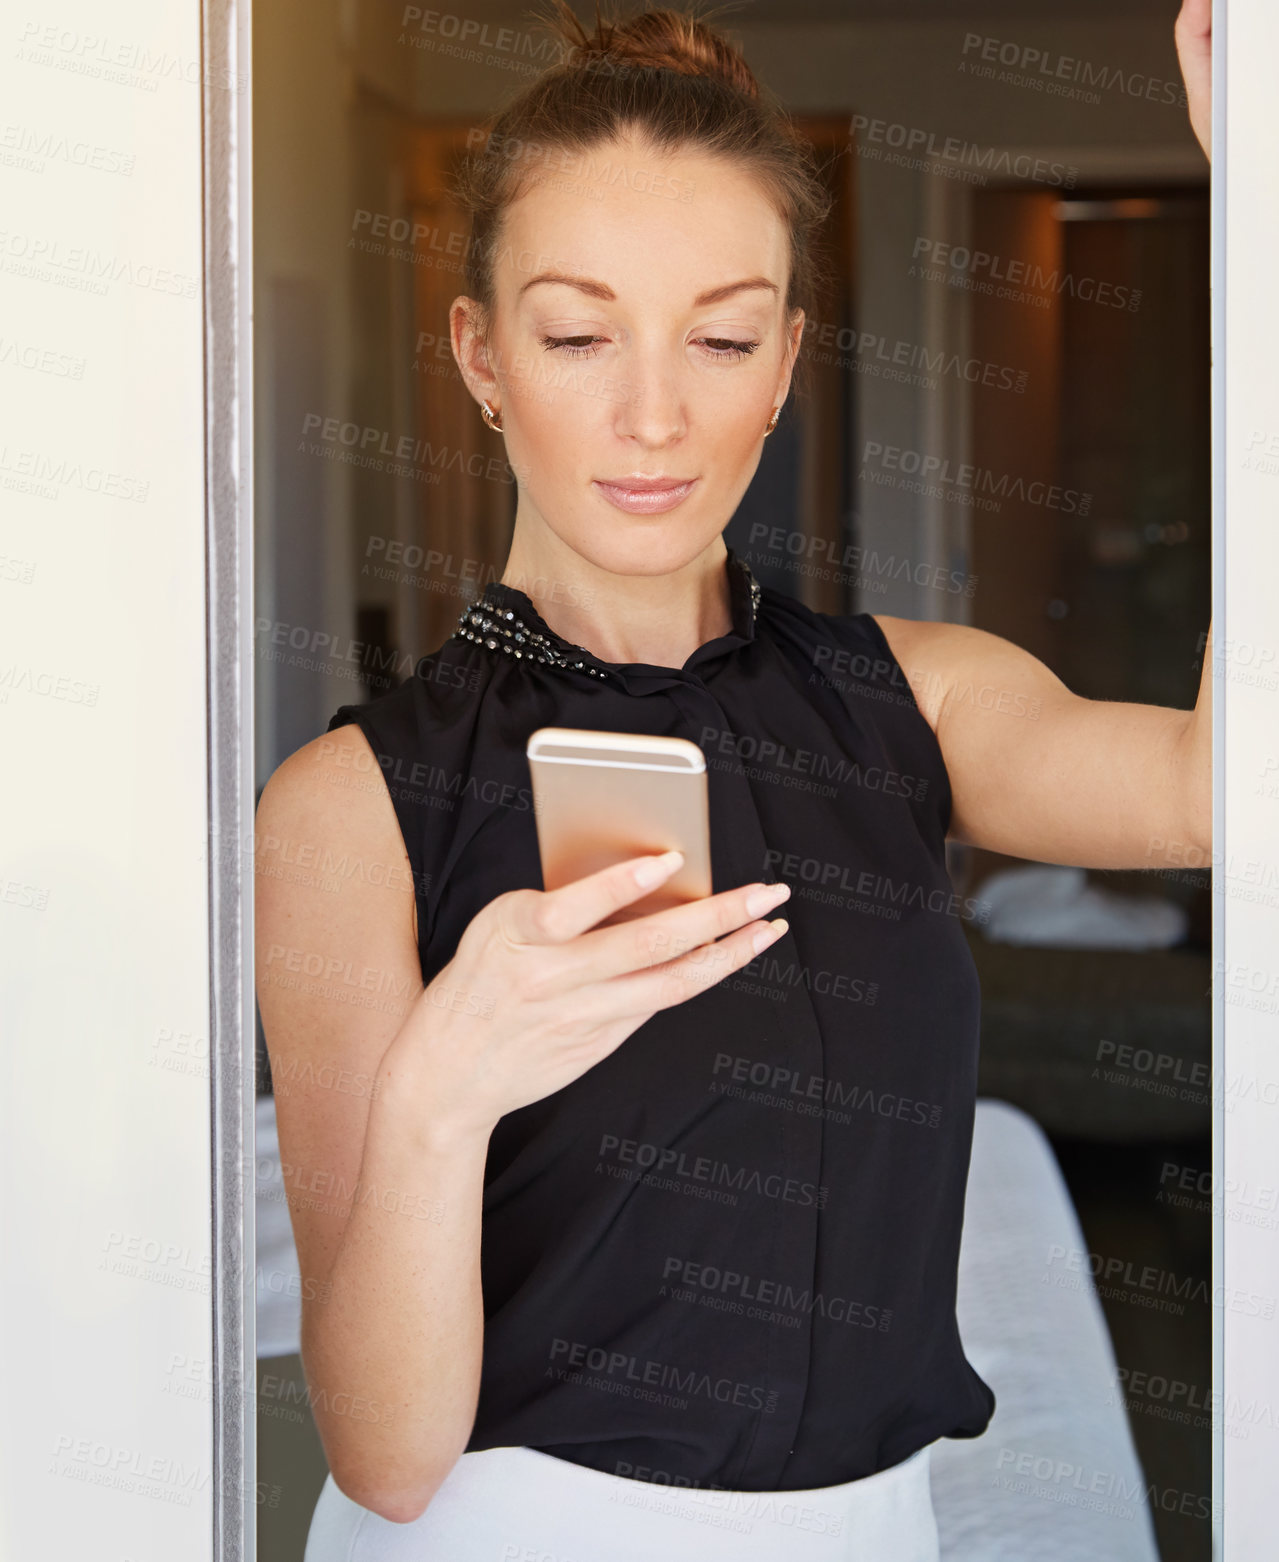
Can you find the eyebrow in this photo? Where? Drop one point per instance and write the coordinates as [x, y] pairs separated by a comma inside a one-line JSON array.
[[714, 295]]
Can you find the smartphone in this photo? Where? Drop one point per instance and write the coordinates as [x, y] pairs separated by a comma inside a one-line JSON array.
[[601, 797]]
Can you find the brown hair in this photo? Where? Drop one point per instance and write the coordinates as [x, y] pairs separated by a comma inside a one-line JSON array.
[[670, 77]]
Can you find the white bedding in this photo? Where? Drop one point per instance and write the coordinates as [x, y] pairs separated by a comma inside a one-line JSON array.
[[1055, 1475], [279, 1308]]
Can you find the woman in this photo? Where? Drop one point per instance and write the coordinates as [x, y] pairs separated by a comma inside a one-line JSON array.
[[643, 1239]]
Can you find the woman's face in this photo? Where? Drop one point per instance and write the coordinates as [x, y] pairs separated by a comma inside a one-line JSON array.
[[644, 359]]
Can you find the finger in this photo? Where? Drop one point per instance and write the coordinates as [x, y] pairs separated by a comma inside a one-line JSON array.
[[675, 981], [665, 936], [555, 916]]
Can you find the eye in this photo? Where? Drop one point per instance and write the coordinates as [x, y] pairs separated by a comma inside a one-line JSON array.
[[569, 345], [716, 346], [726, 347]]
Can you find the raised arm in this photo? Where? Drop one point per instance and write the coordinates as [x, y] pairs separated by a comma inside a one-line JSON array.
[[1037, 771], [1193, 33], [1040, 772]]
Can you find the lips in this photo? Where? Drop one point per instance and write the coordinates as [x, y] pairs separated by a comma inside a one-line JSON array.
[[645, 495], [644, 484]]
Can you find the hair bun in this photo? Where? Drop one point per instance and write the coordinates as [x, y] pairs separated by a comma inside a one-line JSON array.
[[665, 39]]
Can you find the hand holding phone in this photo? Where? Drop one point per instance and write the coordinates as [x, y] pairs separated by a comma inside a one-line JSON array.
[[556, 990]]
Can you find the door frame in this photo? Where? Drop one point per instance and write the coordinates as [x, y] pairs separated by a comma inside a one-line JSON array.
[[1245, 326]]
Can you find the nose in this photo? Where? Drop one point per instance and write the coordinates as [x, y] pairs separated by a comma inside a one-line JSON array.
[[652, 407]]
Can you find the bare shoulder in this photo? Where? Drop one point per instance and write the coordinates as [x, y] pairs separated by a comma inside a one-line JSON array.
[[927, 652], [323, 809], [336, 969], [314, 778], [960, 667]]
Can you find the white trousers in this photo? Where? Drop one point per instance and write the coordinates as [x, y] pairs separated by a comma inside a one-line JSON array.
[[521, 1505]]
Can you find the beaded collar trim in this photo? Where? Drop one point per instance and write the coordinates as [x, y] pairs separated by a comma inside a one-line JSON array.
[[490, 623]]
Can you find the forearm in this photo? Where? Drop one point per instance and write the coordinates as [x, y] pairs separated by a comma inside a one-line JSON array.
[[401, 1329]]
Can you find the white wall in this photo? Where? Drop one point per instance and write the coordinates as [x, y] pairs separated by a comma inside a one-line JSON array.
[[105, 1308], [1246, 837]]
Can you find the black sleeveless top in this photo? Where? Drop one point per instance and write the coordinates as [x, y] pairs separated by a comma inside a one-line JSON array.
[[727, 1254]]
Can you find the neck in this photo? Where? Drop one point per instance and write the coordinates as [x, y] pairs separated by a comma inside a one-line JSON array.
[[658, 619]]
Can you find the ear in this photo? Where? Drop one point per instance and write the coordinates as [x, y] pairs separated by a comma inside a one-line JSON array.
[[472, 350], [794, 342]]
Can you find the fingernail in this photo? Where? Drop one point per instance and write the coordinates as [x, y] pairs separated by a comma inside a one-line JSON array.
[[769, 934], [761, 900], [656, 868]]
